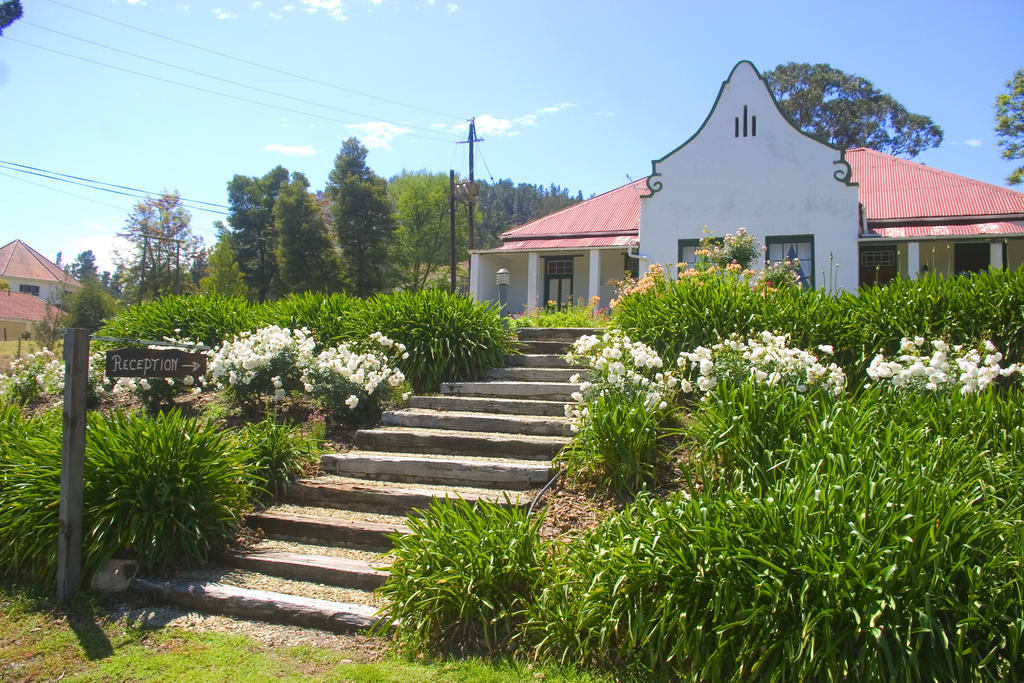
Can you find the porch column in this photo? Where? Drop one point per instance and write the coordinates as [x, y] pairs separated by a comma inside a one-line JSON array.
[[595, 275], [913, 260], [532, 279], [474, 276], [995, 255]]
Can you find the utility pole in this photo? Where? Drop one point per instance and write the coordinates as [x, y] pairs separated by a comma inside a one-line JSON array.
[[470, 189], [451, 220]]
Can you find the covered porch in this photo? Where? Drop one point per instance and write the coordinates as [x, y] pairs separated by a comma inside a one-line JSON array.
[[883, 259], [557, 276]]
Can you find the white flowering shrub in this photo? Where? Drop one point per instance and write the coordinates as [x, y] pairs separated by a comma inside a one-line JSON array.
[[946, 368], [156, 393], [765, 359], [37, 375], [263, 365], [354, 386], [618, 412]]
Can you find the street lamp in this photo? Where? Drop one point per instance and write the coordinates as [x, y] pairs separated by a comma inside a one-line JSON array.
[[503, 278]]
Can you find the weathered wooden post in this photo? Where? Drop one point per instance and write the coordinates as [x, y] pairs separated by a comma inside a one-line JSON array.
[[69, 534]]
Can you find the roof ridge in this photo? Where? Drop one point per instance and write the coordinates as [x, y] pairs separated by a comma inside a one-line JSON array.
[[511, 231], [919, 165]]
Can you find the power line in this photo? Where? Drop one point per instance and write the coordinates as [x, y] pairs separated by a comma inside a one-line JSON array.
[[55, 189], [205, 90], [101, 182], [133, 194], [489, 174], [257, 64], [224, 80]]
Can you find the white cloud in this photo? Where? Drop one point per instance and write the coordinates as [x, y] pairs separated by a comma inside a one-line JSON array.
[[452, 8], [973, 142], [288, 8], [223, 14], [292, 150], [556, 108], [136, 2], [606, 114], [275, 16], [378, 134], [376, 2], [332, 8], [256, 5]]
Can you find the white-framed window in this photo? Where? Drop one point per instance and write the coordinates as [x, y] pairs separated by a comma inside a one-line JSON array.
[[799, 247]]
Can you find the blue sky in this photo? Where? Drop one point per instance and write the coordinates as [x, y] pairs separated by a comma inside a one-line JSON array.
[[579, 93]]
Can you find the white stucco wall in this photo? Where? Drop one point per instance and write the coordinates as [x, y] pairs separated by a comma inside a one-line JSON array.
[[775, 182], [49, 291]]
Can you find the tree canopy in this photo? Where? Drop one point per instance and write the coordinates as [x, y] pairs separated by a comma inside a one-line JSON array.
[[305, 255], [163, 248], [363, 218], [849, 111], [422, 244], [10, 11], [253, 236], [1010, 124]]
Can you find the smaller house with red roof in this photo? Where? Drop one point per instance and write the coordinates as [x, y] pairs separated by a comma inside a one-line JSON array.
[[34, 281], [851, 217]]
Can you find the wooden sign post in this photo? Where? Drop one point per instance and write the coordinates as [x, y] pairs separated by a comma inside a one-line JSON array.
[[72, 463]]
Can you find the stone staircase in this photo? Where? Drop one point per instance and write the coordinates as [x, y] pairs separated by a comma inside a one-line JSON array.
[[325, 546]]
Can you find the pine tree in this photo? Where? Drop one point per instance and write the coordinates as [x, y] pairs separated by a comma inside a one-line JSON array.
[[305, 256]]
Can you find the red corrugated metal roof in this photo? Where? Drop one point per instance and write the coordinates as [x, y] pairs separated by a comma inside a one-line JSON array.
[[613, 213], [570, 243], [18, 260], [966, 230], [893, 188], [22, 307]]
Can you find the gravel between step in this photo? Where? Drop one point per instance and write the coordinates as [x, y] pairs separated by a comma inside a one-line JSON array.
[[333, 513], [376, 560], [453, 490], [254, 580]]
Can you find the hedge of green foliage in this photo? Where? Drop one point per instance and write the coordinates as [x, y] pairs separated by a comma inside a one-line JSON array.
[[205, 318], [161, 490], [463, 579], [448, 337], [694, 312]]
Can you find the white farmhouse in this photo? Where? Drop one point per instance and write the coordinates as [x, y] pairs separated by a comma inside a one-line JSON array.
[[852, 217]]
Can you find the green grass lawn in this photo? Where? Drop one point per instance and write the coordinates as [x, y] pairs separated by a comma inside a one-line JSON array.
[[41, 639]]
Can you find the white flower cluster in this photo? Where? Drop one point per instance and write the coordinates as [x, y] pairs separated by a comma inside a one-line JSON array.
[[37, 374], [766, 359], [340, 369], [257, 362], [972, 369], [617, 363]]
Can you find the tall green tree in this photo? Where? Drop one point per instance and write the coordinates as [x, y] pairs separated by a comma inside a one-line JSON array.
[[10, 11], [223, 275], [504, 205], [91, 305], [1010, 124], [84, 266], [363, 218], [253, 237], [162, 249], [306, 257], [421, 249], [848, 111]]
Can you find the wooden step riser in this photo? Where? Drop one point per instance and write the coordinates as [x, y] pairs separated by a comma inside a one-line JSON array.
[[361, 537], [531, 374], [397, 502], [484, 404], [336, 617], [542, 391], [328, 571], [561, 334], [505, 446], [476, 423], [536, 360], [556, 348], [408, 469]]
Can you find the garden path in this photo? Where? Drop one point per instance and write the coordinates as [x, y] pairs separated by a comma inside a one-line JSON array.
[[325, 547]]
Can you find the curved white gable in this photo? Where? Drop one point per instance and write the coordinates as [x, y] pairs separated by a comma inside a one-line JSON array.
[[749, 167]]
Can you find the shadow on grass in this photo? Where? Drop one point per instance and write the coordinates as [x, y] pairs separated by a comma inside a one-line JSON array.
[[90, 636]]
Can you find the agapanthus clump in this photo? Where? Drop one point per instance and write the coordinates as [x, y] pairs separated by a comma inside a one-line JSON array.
[[351, 385], [157, 393], [646, 284], [263, 365], [618, 412], [766, 359], [966, 368]]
